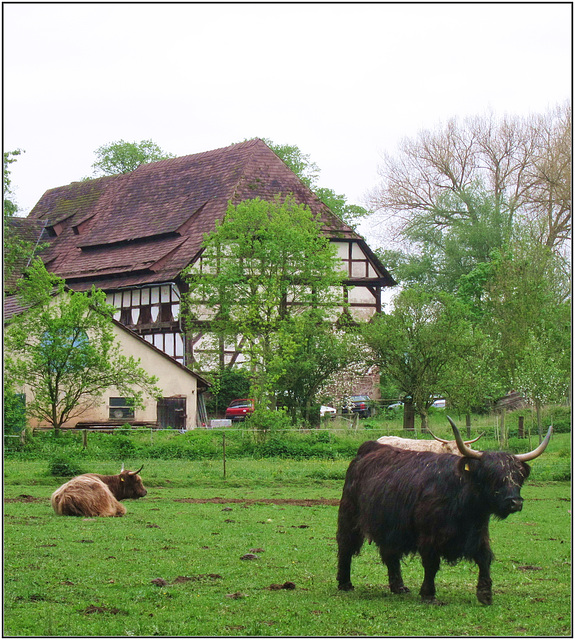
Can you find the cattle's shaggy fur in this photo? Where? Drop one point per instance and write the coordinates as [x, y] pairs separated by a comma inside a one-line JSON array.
[[437, 505], [92, 494]]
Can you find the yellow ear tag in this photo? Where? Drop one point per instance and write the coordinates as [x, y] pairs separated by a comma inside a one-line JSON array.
[[466, 466], [121, 479]]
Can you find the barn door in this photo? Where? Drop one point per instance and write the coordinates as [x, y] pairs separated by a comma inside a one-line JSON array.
[[172, 413]]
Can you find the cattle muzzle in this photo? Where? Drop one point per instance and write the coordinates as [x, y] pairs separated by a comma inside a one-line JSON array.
[[514, 504]]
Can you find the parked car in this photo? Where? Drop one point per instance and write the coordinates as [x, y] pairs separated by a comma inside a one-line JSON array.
[[327, 411], [239, 409], [395, 406], [359, 404], [439, 404]]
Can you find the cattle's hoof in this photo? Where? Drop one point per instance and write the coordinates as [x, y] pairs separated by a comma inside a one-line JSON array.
[[401, 589], [485, 597], [346, 586]]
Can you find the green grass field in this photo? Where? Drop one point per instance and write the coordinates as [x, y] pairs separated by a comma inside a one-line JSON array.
[[174, 565]]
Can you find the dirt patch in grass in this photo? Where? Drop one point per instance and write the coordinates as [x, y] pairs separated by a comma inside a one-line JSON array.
[[291, 501], [23, 498], [94, 609]]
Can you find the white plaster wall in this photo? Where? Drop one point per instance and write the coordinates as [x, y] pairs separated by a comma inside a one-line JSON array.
[[173, 380]]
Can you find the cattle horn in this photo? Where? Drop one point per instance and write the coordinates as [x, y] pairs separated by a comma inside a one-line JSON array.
[[448, 441], [463, 448], [524, 457], [133, 473], [122, 469]]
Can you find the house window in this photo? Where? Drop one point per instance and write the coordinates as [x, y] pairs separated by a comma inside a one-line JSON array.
[[121, 408]]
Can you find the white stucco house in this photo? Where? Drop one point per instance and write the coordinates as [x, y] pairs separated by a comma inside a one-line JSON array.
[[180, 407]]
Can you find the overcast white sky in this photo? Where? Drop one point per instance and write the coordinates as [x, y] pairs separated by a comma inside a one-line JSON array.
[[344, 82]]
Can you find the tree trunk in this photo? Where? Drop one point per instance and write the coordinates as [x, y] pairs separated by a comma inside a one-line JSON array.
[[538, 410], [468, 424], [424, 422], [408, 415], [503, 432], [55, 421]]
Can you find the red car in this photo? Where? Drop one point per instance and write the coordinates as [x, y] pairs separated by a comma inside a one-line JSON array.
[[239, 409]]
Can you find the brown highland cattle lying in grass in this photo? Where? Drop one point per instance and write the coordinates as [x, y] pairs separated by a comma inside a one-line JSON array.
[[93, 494]]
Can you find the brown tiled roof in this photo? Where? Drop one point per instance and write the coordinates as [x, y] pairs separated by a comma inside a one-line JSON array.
[[12, 307], [148, 225]]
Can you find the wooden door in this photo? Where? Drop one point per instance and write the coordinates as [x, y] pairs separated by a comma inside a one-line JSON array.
[[172, 413]]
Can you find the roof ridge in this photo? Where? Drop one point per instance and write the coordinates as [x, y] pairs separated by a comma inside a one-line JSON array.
[[201, 154], [248, 162]]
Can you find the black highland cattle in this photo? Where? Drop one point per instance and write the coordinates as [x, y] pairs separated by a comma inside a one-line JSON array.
[[435, 504]]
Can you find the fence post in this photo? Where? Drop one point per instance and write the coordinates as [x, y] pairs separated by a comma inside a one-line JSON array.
[[84, 438], [23, 436], [520, 428], [224, 450]]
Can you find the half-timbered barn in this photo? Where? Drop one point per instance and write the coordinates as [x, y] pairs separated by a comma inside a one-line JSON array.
[[132, 235]]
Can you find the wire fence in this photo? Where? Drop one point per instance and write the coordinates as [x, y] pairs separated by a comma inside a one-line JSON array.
[[492, 426]]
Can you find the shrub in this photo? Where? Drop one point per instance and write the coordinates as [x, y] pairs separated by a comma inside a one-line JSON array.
[[268, 420], [560, 417], [64, 467], [321, 436], [14, 412], [123, 446]]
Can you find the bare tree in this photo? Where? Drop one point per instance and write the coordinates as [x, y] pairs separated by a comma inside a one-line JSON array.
[[549, 200], [523, 163]]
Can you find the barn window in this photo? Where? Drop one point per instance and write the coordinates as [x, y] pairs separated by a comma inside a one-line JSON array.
[[166, 312], [145, 315], [121, 408], [125, 316]]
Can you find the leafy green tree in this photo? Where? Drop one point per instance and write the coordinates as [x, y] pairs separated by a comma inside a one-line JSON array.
[[420, 343], [308, 172], [439, 255], [10, 206], [14, 411], [124, 157], [524, 298], [319, 351], [472, 384], [266, 264], [16, 250], [64, 349], [540, 375], [351, 214]]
